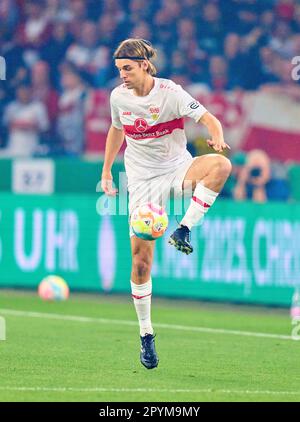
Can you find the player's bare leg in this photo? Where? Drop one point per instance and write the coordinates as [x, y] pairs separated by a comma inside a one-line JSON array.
[[206, 176], [141, 288]]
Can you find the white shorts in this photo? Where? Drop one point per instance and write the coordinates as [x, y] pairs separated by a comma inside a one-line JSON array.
[[158, 189]]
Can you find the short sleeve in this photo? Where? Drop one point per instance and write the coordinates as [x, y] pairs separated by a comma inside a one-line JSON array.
[[115, 115], [187, 106]]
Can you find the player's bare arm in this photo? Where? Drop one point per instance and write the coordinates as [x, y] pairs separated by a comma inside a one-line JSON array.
[[114, 141], [215, 130]]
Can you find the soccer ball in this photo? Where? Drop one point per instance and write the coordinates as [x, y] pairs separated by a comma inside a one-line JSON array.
[[149, 221], [53, 288]]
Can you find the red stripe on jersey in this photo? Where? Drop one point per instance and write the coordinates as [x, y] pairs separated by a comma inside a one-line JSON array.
[[140, 297], [204, 204], [155, 131]]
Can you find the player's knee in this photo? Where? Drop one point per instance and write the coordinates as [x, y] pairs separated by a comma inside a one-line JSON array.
[[141, 265], [223, 165]]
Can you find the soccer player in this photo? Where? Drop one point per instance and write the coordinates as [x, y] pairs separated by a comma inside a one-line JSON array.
[[149, 111]]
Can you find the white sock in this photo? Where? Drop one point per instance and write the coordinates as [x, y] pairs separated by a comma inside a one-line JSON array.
[[201, 201], [141, 294]]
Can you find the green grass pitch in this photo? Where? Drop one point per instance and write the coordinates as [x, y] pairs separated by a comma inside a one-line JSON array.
[[87, 349]]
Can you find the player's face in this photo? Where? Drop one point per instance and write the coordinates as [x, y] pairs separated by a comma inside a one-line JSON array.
[[131, 72]]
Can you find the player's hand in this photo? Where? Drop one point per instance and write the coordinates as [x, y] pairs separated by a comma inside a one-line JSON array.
[[217, 144], [106, 185]]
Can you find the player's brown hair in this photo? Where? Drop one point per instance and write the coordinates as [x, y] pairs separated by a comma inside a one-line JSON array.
[[137, 49]]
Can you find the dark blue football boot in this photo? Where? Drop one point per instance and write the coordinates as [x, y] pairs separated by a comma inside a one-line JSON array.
[[181, 240], [148, 354]]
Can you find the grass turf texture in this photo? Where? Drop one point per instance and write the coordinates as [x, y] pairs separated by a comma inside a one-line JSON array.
[[45, 359]]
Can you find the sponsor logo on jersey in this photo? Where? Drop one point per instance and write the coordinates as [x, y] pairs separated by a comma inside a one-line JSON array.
[[194, 105], [140, 125], [154, 131], [126, 113]]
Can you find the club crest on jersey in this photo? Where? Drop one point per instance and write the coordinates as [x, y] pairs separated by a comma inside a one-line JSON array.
[[140, 125], [154, 111]]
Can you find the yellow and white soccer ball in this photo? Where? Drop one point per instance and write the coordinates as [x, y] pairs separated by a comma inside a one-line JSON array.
[[149, 221], [53, 287]]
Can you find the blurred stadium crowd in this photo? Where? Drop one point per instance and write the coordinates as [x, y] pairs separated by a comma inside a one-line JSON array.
[[58, 54]]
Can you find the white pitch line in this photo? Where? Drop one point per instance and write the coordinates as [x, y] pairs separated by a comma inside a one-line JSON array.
[[148, 390], [75, 318]]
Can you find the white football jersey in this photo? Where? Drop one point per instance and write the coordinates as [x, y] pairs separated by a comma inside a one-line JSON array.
[[154, 127]]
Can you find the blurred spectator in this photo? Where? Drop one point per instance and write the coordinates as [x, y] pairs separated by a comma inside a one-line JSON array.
[[138, 11], [164, 30], [36, 29], [191, 9], [295, 45], [42, 90], [267, 21], [141, 30], [173, 8], [71, 112], [58, 10], [253, 178], [267, 60], [16, 70], [235, 59], [218, 74], [258, 181], [280, 41], [115, 8], [26, 120], [8, 17], [187, 39], [178, 63], [79, 13], [107, 30], [55, 49], [296, 21], [90, 58], [211, 29]]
